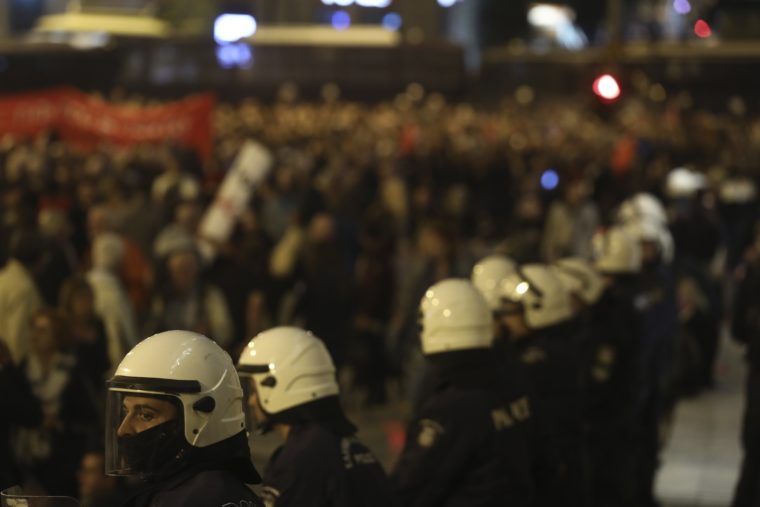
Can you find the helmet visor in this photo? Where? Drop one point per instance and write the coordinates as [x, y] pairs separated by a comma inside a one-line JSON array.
[[142, 430]]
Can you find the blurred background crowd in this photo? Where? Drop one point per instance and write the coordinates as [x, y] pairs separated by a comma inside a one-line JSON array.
[[366, 207], [408, 139]]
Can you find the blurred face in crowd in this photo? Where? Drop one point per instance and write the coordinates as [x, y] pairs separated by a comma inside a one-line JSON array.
[[93, 483], [188, 214], [431, 242], [82, 303], [142, 413], [183, 270], [321, 229], [87, 193], [576, 193], [284, 179], [43, 336], [97, 221]]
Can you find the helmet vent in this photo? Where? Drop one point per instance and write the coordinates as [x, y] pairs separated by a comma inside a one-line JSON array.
[[205, 404]]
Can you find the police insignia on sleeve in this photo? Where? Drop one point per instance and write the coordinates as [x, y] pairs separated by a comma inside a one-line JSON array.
[[430, 431]]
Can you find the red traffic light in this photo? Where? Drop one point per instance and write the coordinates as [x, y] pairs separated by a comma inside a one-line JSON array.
[[702, 29], [606, 87]]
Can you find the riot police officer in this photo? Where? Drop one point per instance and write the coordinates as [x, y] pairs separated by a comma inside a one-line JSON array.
[[609, 367], [657, 303], [294, 392], [175, 418], [745, 328], [488, 276], [468, 443], [537, 312]]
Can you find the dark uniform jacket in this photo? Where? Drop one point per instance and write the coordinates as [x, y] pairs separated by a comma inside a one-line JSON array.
[[610, 366], [317, 467], [549, 358], [656, 302], [745, 328], [469, 443], [610, 372], [199, 488], [213, 476]]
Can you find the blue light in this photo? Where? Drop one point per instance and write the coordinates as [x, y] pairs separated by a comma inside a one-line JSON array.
[[392, 22], [234, 55], [340, 20], [682, 6], [549, 179]]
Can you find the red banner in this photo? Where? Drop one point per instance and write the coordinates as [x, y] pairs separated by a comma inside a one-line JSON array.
[[86, 121]]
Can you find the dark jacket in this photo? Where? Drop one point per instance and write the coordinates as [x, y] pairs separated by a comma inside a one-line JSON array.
[[208, 477], [745, 325], [549, 358], [20, 407], [469, 443], [199, 488], [319, 467], [610, 362]]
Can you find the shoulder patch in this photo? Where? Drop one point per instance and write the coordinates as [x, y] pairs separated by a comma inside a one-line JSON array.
[[355, 454]]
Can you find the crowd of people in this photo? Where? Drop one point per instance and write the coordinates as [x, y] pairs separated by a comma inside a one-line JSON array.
[[366, 209]]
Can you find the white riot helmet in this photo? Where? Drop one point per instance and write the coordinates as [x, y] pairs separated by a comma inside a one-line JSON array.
[[652, 232], [683, 183], [580, 278], [538, 289], [616, 252], [290, 367], [737, 190], [187, 369], [642, 206], [488, 274], [454, 316]]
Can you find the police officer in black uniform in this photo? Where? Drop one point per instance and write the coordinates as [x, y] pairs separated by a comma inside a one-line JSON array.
[[488, 276], [469, 442], [609, 366], [745, 328], [175, 418], [537, 314], [657, 305], [294, 392]]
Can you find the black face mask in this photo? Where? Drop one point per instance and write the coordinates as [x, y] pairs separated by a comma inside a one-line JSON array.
[[155, 449]]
